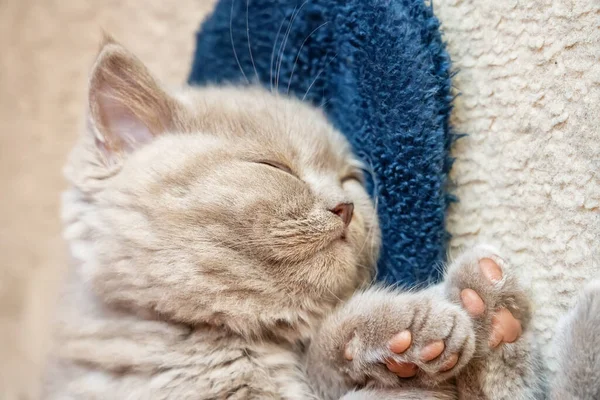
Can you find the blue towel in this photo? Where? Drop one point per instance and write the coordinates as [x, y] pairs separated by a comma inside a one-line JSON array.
[[380, 70]]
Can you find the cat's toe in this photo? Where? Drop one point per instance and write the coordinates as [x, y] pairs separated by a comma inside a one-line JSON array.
[[450, 362], [484, 285], [439, 359], [432, 359], [443, 343], [432, 351], [398, 345], [505, 328], [402, 370], [401, 342], [491, 270], [420, 336], [428, 354], [472, 302]]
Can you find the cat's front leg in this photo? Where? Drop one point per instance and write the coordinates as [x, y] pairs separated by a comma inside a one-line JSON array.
[[387, 339], [506, 363]]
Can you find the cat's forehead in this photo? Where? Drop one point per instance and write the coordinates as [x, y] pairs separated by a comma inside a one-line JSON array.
[[276, 125]]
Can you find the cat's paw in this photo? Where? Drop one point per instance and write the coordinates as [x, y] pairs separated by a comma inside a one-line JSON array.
[[483, 283], [407, 337]]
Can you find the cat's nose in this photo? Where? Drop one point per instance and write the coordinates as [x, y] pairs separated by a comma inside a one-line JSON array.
[[344, 211]]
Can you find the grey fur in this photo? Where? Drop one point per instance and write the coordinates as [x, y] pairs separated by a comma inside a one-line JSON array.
[[191, 283], [578, 345], [510, 371]]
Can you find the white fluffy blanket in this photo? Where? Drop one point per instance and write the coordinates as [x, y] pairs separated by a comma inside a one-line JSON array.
[[528, 174]]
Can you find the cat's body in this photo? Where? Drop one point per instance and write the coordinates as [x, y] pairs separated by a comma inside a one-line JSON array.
[[153, 361], [222, 247], [109, 354]]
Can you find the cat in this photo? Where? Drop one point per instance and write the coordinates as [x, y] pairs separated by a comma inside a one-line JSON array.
[[223, 247], [577, 345]]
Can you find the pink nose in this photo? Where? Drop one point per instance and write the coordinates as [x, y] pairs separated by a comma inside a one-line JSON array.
[[344, 211]]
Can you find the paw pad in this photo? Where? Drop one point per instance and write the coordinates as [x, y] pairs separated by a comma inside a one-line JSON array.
[[472, 302], [432, 350], [401, 342], [505, 328], [403, 370], [490, 270]]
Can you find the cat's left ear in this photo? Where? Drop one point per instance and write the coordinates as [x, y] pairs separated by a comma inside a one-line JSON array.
[[127, 107]]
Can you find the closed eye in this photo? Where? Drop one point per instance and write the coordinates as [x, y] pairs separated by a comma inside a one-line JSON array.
[[278, 165], [353, 176]]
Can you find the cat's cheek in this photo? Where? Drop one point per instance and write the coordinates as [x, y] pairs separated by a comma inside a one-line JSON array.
[[364, 228]]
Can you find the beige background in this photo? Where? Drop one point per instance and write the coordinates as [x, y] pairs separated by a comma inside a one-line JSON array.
[[527, 176], [46, 50]]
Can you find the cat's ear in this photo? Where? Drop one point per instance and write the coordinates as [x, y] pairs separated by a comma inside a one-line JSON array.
[[127, 107]]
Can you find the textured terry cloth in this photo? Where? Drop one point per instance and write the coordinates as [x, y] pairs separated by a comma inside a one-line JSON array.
[[380, 71]]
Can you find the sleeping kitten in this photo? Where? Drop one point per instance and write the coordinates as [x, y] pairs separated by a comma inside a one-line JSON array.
[[223, 243]]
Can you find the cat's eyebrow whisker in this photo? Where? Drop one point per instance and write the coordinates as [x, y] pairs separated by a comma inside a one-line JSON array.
[[318, 75], [287, 35], [248, 36], [323, 104], [281, 50], [273, 53], [232, 43], [298, 54]]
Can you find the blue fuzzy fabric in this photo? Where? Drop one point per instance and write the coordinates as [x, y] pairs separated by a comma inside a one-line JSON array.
[[380, 70]]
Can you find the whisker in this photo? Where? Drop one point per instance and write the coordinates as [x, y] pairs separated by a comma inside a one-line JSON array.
[[375, 200], [248, 36], [273, 53], [371, 233], [318, 75], [324, 103], [281, 48], [299, 51], [287, 35], [359, 265], [334, 295], [370, 236], [373, 279], [233, 45]]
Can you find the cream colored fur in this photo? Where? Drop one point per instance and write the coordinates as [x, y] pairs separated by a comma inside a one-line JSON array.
[[195, 229], [209, 262], [47, 48]]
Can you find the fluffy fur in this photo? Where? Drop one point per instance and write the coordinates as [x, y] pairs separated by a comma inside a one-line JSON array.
[[577, 344], [379, 70], [210, 261]]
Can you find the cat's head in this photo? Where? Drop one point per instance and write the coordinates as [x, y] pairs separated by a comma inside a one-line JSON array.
[[226, 205]]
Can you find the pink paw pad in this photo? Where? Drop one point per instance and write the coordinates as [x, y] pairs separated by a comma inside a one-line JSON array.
[[505, 327]]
